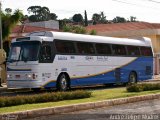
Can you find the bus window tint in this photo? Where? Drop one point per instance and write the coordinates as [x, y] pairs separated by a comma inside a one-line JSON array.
[[103, 49], [45, 53], [133, 50], [146, 51], [65, 47], [119, 50], [85, 48]]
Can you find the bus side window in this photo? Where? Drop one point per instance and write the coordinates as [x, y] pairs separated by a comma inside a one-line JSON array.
[[119, 50], [65, 47], [133, 50], [45, 53], [146, 51], [85, 48], [103, 49]]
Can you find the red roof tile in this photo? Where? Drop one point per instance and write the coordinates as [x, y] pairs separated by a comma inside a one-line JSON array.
[[123, 26], [28, 29]]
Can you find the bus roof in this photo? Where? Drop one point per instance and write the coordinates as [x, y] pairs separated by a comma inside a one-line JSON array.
[[91, 38]]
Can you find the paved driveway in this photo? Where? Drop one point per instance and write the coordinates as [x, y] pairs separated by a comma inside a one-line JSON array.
[[145, 110]]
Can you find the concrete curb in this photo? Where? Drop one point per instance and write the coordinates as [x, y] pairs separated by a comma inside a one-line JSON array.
[[75, 107]]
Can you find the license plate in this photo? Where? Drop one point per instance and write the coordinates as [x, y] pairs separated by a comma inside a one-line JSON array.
[[18, 76]]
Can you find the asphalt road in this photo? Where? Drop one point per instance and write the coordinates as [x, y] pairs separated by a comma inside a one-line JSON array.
[[145, 110]]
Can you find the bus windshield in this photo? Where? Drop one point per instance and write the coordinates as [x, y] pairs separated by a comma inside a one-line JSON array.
[[24, 51]]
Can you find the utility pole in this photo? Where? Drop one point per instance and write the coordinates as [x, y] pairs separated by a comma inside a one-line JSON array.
[[1, 41]]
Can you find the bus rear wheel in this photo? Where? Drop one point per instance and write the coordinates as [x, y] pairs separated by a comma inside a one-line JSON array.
[[63, 83], [132, 78]]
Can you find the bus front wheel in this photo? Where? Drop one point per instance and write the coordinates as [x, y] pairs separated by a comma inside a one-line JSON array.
[[132, 78], [62, 84]]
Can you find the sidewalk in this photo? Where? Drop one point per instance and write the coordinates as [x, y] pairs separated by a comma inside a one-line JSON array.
[[156, 77]]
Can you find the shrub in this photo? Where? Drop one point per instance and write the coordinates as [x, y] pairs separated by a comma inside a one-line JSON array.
[[74, 29], [44, 97], [93, 32], [143, 87]]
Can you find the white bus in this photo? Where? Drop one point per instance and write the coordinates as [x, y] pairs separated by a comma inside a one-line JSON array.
[[63, 60]]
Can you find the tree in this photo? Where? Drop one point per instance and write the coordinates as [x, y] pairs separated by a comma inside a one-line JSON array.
[[85, 19], [132, 19], [8, 10], [44, 14], [40, 14], [9, 21], [34, 9], [99, 18], [102, 18], [96, 18], [53, 16], [119, 20], [77, 18]]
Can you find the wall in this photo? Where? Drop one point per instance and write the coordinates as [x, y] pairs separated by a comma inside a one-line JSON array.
[[45, 24]]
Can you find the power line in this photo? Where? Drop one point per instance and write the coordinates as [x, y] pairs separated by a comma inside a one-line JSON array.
[[124, 2], [154, 1], [153, 8]]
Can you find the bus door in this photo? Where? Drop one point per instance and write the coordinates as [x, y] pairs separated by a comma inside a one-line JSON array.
[[118, 75]]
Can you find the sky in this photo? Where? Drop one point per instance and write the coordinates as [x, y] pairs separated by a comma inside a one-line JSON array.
[[143, 10]]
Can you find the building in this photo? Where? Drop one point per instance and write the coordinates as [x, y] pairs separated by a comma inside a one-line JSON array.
[[52, 24], [22, 30], [133, 30]]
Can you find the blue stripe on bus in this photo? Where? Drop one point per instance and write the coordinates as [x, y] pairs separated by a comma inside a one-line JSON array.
[[139, 66]]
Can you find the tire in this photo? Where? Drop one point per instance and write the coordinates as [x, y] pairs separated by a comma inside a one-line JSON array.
[[63, 83], [132, 78]]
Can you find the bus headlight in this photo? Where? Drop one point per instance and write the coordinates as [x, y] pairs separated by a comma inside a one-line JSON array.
[[31, 76], [9, 76]]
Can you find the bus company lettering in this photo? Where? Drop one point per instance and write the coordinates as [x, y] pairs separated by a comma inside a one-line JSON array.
[[102, 58], [62, 58], [63, 69], [89, 58], [72, 57], [48, 75]]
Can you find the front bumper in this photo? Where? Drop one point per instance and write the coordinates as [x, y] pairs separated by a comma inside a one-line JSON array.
[[24, 84]]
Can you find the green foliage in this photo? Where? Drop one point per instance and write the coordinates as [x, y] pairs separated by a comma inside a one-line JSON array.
[[132, 19], [9, 21], [74, 29], [77, 18], [99, 18], [44, 97], [143, 87], [8, 10], [96, 18], [119, 20], [93, 32], [85, 19], [40, 14]]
